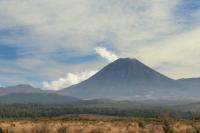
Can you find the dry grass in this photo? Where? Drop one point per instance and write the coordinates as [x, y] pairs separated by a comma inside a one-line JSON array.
[[96, 126]]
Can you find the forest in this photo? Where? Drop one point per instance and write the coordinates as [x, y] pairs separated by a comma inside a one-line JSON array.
[[55, 110]]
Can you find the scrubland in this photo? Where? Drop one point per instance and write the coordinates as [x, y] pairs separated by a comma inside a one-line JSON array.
[[99, 125]]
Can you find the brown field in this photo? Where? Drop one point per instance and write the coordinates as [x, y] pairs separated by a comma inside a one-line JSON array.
[[91, 124]]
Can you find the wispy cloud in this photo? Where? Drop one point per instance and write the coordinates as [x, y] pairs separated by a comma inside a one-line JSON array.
[[104, 53]]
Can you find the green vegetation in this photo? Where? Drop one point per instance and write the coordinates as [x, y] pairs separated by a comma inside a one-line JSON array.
[[38, 110]]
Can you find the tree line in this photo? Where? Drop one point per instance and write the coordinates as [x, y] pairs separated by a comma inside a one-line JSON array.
[[39, 110]]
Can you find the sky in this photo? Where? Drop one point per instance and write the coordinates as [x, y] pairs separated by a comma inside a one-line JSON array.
[[54, 44]]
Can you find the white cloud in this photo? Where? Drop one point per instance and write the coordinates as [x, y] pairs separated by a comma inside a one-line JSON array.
[[70, 79], [104, 53], [75, 78], [79, 22], [177, 56]]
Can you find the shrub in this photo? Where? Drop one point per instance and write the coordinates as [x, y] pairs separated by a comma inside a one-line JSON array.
[[197, 129], [63, 130], [1, 130], [190, 130], [41, 129], [167, 127], [96, 131], [141, 124]]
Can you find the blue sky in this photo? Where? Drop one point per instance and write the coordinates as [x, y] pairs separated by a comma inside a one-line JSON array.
[[54, 44], [7, 52]]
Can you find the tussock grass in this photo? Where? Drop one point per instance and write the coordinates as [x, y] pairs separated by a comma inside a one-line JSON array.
[[98, 126]]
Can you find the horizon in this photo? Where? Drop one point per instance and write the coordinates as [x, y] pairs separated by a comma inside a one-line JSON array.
[[56, 44], [133, 59]]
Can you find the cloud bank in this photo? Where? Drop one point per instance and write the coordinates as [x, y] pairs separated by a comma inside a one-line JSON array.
[[68, 80]]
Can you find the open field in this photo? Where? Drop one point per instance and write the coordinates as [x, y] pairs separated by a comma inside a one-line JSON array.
[[98, 124]]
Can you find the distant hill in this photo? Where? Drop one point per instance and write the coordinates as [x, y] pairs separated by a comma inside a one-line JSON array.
[[190, 82], [192, 85], [41, 98], [23, 88], [193, 107], [125, 79]]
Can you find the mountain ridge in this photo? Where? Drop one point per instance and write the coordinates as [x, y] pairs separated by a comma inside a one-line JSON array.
[[123, 79], [25, 88]]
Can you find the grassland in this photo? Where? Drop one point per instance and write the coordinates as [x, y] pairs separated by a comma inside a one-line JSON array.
[[98, 124]]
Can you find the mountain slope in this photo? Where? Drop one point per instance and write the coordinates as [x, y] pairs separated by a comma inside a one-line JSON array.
[[124, 79]]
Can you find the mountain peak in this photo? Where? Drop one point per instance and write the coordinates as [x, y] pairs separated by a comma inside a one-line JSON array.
[[126, 65], [127, 60]]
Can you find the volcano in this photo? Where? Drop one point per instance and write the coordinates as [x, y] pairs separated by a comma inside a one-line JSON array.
[[124, 79]]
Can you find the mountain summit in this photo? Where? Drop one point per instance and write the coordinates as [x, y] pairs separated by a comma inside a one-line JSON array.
[[124, 78]]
